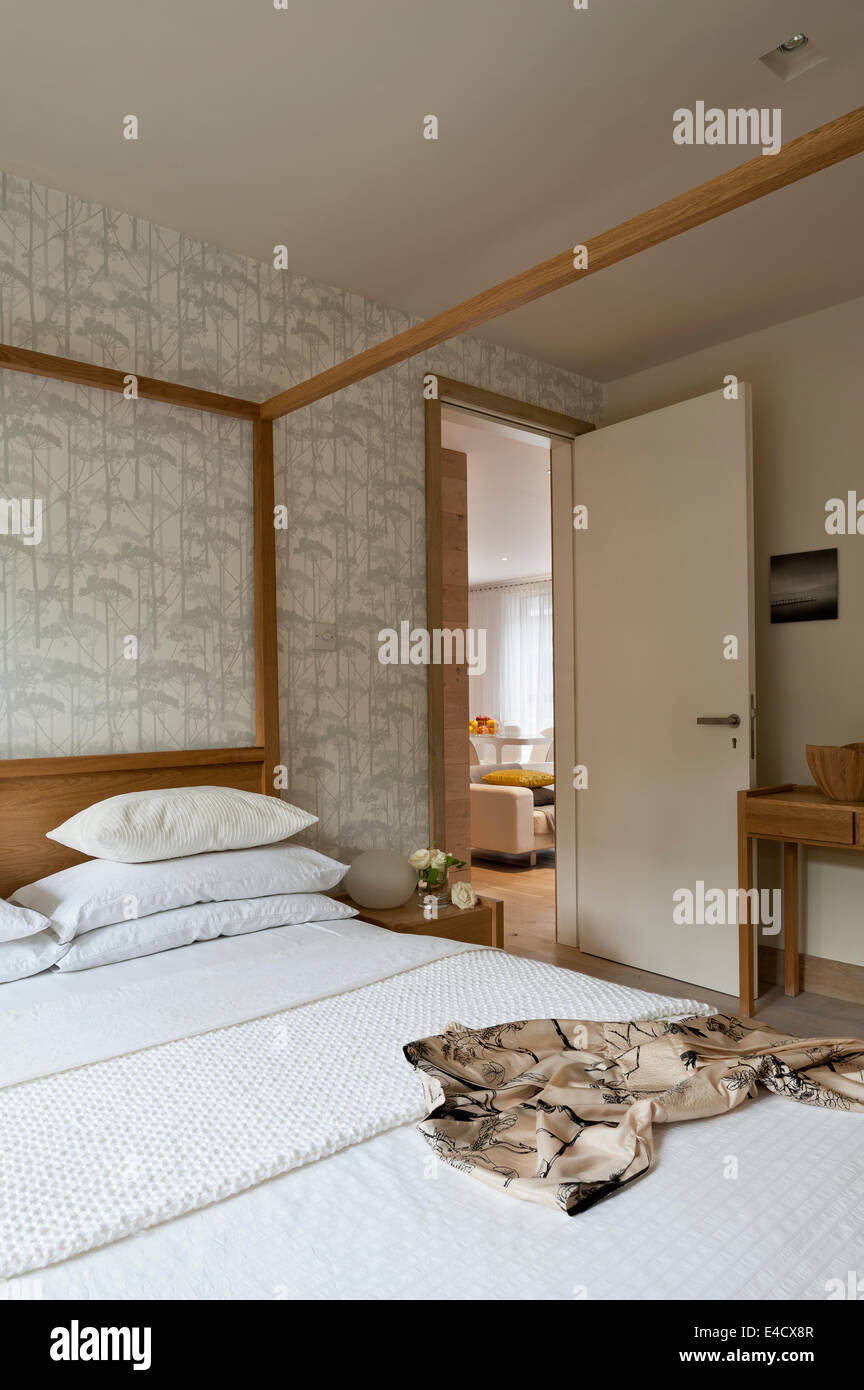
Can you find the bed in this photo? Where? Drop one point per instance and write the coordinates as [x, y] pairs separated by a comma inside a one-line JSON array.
[[234, 1119], [293, 1036]]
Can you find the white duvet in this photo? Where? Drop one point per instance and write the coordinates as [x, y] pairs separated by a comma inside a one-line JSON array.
[[141, 1096]]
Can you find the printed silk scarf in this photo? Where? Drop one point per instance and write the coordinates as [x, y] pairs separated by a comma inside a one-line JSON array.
[[562, 1111]]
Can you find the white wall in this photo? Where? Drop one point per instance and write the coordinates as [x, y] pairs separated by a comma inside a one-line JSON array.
[[808, 422]]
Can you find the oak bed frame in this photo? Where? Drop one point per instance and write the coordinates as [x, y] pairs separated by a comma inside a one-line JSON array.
[[37, 793]]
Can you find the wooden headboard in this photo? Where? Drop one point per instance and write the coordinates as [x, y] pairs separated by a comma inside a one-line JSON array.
[[37, 794]]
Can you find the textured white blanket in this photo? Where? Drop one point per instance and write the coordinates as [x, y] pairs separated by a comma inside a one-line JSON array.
[[114, 1146]]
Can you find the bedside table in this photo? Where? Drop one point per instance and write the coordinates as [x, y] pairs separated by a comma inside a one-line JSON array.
[[482, 925]]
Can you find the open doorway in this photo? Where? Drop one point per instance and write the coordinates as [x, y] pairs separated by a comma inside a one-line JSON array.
[[511, 731], [539, 894]]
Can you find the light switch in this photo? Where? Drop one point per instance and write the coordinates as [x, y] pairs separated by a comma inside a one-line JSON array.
[[324, 637]]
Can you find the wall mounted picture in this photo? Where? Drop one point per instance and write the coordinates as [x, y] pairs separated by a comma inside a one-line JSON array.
[[804, 586]]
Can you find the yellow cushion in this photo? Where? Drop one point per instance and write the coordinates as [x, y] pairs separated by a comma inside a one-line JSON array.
[[519, 779]]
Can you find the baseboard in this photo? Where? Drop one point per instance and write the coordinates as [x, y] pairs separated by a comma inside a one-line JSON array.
[[835, 978]]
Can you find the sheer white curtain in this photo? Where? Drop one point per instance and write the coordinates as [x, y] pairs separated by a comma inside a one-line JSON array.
[[517, 685]]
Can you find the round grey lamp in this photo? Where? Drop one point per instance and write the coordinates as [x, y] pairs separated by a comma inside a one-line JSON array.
[[379, 878]]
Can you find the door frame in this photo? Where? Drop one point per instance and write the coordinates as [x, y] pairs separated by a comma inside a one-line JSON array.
[[446, 607]]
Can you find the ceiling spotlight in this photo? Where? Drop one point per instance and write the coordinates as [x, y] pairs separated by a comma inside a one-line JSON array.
[[790, 59], [504, 557]]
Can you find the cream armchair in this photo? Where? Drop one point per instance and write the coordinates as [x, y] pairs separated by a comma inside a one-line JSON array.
[[503, 821]]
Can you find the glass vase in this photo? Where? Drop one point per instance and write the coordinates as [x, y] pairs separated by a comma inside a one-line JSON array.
[[439, 888]]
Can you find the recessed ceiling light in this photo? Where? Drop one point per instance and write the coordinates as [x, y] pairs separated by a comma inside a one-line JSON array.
[[792, 45], [790, 59], [505, 557]]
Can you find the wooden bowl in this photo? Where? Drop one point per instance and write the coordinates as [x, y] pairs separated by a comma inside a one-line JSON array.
[[838, 771]]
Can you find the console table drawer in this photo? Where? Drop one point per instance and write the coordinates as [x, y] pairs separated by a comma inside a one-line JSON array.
[[833, 824]]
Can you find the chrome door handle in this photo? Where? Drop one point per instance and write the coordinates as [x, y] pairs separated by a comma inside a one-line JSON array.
[[732, 720]]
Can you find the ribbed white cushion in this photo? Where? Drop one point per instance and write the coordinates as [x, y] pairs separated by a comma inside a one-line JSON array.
[[17, 922], [168, 824]]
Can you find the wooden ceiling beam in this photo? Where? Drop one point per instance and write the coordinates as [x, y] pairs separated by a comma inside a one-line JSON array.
[[818, 149]]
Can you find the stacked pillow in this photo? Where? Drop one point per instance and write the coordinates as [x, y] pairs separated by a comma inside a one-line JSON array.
[[26, 943], [172, 867]]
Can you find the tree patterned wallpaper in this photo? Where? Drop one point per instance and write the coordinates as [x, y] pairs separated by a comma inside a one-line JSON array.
[[146, 512]]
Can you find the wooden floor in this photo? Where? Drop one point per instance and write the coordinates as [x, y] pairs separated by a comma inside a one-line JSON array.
[[529, 930]]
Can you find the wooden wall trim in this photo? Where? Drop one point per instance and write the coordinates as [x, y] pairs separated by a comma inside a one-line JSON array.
[[460, 393], [108, 379], [448, 683], [818, 149], [266, 629]]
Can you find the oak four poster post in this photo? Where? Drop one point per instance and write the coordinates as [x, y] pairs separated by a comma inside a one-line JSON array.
[[266, 635]]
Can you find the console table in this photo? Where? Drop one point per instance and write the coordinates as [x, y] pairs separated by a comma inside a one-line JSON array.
[[792, 815]]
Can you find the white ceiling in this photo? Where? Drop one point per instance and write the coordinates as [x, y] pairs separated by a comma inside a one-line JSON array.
[[262, 126], [508, 498]]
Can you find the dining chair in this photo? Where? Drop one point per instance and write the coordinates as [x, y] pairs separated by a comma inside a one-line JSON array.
[[516, 749], [544, 752]]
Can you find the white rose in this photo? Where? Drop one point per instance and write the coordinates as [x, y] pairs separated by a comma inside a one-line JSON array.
[[439, 859], [463, 895], [420, 859]]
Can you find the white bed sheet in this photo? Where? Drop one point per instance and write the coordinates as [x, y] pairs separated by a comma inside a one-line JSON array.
[[387, 1220], [52, 1022]]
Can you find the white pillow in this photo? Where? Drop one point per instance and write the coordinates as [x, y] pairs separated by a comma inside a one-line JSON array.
[[16, 922], [100, 892], [29, 955], [138, 826], [162, 931]]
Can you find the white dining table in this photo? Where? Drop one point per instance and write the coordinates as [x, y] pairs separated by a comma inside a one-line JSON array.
[[501, 741]]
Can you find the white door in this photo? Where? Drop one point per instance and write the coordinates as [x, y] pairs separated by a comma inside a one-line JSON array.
[[663, 580]]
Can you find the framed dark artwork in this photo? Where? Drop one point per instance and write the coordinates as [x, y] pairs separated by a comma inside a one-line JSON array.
[[804, 586]]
